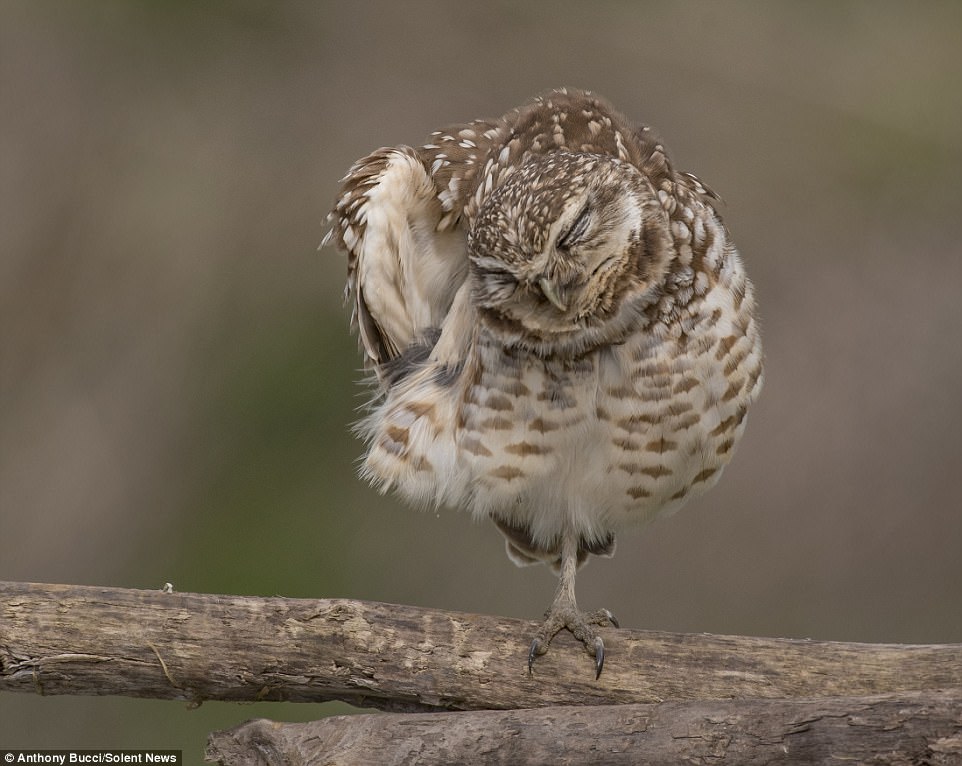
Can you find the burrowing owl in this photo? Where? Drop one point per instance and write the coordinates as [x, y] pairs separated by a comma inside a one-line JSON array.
[[562, 331]]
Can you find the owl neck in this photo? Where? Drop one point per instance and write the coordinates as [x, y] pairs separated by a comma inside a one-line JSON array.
[[633, 314]]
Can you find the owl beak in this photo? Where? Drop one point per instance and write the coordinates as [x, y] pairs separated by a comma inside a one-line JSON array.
[[550, 289]]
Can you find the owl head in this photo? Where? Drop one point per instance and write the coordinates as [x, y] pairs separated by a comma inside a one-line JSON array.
[[563, 242]]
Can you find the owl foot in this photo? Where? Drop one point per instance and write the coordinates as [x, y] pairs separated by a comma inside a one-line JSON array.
[[565, 615]]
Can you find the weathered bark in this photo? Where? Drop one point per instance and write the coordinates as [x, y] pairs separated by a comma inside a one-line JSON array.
[[908, 728], [63, 639]]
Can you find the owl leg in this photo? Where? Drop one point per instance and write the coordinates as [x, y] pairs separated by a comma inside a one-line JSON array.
[[564, 613]]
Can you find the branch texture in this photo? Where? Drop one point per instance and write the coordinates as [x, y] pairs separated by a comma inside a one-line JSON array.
[[65, 639], [910, 728]]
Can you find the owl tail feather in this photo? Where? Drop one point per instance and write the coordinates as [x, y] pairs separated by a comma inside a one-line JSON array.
[[524, 551]]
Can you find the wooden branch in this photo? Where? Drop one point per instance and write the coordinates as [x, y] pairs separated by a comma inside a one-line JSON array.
[[64, 639], [908, 728]]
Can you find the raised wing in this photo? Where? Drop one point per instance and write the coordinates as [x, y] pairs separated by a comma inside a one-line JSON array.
[[403, 270], [399, 217]]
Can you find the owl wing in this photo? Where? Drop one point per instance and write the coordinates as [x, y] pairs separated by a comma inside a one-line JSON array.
[[403, 270], [399, 217]]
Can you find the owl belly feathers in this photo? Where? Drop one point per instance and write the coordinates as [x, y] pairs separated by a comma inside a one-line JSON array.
[[615, 437]]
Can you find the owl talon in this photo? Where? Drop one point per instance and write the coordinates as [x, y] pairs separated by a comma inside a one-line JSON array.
[[537, 649], [602, 617], [599, 657], [568, 617]]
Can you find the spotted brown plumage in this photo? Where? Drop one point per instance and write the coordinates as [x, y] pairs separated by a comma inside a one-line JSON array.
[[562, 331]]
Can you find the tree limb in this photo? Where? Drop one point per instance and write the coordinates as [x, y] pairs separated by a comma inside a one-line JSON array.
[[65, 639], [908, 728]]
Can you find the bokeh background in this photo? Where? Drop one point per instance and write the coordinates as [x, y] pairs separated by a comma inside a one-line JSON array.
[[178, 377]]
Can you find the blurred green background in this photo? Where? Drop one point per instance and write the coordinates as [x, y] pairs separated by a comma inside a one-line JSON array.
[[178, 378]]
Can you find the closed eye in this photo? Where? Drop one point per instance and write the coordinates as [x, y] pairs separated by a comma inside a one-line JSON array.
[[576, 231]]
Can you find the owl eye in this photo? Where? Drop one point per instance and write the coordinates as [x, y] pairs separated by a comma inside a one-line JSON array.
[[576, 231]]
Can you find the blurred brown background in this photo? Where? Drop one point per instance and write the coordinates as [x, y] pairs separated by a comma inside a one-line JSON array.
[[178, 379]]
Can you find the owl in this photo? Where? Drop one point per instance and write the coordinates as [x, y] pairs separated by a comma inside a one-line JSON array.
[[562, 334]]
